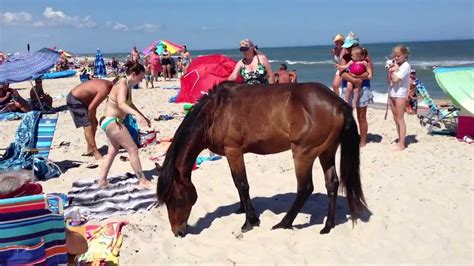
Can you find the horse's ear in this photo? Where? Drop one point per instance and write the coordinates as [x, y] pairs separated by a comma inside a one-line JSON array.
[[158, 168]]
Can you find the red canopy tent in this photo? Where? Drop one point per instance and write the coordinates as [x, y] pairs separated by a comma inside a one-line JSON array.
[[203, 74]]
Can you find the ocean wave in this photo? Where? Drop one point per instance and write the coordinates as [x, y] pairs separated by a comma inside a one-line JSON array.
[[291, 62], [419, 64]]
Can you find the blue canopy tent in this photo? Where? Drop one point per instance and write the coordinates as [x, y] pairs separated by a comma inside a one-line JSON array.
[[99, 65], [27, 66]]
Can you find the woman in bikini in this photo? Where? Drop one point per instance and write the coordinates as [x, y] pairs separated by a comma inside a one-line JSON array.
[[254, 67], [118, 106]]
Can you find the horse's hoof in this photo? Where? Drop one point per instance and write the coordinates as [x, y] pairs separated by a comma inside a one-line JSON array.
[[326, 229], [282, 225], [248, 225]]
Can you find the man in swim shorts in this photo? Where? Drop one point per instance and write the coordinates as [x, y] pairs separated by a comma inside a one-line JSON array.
[[83, 101]]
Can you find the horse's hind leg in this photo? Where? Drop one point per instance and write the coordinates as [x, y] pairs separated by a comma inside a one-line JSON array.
[[239, 175], [327, 160], [303, 168]]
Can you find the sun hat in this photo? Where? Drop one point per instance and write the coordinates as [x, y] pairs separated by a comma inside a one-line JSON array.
[[350, 40], [338, 37], [413, 71], [246, 44]]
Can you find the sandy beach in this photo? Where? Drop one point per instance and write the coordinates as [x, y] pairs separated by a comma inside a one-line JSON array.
[[421, 199]]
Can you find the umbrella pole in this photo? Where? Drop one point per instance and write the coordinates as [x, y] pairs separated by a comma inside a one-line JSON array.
[[37, 96]]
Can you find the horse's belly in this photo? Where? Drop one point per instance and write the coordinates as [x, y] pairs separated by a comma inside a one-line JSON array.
[[268, 146]]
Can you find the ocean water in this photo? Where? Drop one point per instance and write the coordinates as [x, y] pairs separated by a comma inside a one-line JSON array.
[[314, 63]]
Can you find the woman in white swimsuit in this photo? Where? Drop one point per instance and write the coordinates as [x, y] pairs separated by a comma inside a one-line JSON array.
[[118, 106]]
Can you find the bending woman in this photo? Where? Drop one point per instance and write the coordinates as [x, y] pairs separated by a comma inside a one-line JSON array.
[[118, 106]]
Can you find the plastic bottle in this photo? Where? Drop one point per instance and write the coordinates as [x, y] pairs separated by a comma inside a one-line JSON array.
[[76, 218]]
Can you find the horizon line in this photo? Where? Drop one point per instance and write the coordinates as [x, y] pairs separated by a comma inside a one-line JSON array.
[[301, 46]]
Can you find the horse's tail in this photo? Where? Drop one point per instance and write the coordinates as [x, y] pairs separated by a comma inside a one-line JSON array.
[[350, 165]]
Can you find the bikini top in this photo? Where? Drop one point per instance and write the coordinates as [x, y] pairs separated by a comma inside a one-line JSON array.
[[258, 76], [129, 95]]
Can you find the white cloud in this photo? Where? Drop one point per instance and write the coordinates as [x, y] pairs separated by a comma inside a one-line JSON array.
[[117, 26], [59, 18], [15, 18], [149, 28]]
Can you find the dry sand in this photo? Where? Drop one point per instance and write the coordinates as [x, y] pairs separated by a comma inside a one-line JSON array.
[[421, 199]]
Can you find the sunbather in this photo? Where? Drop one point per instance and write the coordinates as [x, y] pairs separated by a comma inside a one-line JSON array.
[[39, 99], [83, 101], [11, 101]]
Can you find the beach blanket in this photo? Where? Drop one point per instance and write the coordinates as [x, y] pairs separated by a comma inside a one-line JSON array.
[[15, 156], [10, 116], [121, 196], [30, 233], [104, 244]]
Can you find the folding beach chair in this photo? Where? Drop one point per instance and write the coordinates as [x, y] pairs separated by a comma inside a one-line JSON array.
[[31, 146], [442, 117], [32, 231]]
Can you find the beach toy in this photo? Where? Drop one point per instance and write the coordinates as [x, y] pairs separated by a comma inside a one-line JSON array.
[[187, 107], [59, 74]]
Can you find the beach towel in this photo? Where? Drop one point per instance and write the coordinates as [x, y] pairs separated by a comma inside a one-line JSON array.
[[202, 159], [16, 156], [104, 244], [10, 116], [121, 196], [30, 232]]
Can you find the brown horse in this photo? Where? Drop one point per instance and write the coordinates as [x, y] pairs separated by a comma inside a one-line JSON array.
[[234, 119]]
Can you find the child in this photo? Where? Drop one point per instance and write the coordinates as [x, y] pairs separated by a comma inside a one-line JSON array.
[[356, 67], [399, 79], [336, 52], [148, 76]]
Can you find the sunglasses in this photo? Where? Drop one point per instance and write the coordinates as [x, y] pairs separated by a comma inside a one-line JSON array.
[[244, 49]]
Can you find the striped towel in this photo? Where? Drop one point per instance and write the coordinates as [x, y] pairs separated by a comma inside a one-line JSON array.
[[121, 196], [30, 232]]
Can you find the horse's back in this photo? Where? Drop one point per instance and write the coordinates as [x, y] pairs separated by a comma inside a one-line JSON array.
[[268, 118]]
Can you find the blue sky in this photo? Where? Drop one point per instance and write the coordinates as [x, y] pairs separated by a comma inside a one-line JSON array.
[[116, 26]]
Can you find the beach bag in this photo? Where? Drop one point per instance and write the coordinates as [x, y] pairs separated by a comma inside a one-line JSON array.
[[45, 169], [131, 124]]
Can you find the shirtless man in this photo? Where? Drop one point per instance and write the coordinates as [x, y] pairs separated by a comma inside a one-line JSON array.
[[134, 55], [83, 101], [283, 76]]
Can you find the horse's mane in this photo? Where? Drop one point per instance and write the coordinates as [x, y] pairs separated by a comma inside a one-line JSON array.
[[195, 122]]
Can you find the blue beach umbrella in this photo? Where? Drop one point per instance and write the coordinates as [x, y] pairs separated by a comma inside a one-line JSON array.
[[27, 66], [99, 65]]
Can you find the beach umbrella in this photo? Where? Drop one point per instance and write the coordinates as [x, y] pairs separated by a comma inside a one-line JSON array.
[[203, 74], [151, 47], [99, 65], [173, 48], [27, 66]]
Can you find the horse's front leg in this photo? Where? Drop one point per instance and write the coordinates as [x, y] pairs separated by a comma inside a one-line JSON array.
[[239, 175], [303, 167]]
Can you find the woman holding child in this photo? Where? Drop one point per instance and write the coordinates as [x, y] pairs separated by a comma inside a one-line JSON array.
[[362, 82]]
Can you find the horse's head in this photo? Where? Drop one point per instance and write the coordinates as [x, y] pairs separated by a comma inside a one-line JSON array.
[[179, 205]]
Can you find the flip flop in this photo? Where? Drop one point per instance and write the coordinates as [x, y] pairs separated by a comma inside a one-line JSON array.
[[90, 154], [123, 158], [92, 165]]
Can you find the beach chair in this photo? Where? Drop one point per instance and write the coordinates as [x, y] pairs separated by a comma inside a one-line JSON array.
[[32, 231], [32, 145], [440, 119]]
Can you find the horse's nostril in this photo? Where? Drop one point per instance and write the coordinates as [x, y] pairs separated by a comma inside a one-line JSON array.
[[180, 234]]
